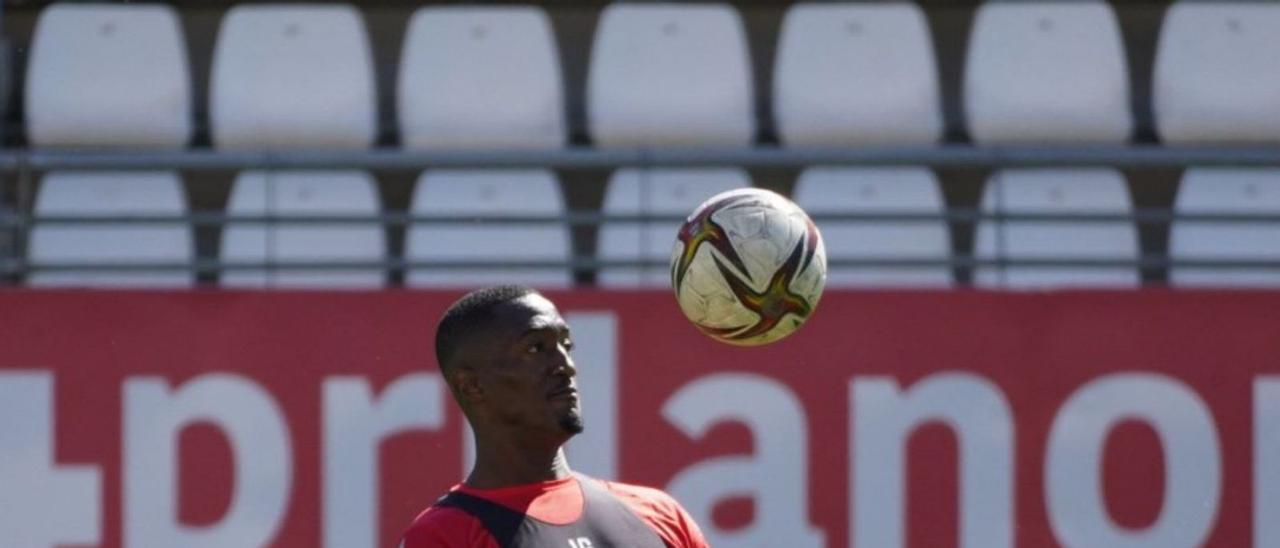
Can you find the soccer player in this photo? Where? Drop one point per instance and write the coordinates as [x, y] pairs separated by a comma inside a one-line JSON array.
[[505, 353]]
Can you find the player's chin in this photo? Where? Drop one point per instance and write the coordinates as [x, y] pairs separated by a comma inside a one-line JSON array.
[[570, 421]]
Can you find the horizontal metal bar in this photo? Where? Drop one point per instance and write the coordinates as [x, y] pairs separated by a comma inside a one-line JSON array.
[[977, 156], [393, 159], [584, 157], [1143, 216], [589, 264]]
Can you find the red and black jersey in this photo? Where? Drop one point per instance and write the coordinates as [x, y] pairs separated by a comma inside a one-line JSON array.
[[548, 513]]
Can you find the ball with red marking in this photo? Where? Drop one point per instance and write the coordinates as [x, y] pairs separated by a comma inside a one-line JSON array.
[[748, 267]]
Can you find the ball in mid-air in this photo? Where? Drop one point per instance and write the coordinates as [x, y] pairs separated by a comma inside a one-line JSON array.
[[748, 267]]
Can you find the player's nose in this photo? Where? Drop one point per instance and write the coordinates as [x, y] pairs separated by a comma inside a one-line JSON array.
[[564, 363]]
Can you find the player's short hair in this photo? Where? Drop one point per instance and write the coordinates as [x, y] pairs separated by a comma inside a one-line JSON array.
[[470, 314]]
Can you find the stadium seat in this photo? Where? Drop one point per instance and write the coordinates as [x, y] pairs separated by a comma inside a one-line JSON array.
[[465, 192], [1056, 191], [1215, 81], [480, 77], [864, 74], [1047, 72], [880, 190], [461, 87], [111, 194], [1216, 77], [292, 76], [665, 192], [1241, 191], [670, 75], [108, 75], [297, 193], [856, 74]]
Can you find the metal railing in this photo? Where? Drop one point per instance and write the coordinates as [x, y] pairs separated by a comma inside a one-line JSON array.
[[1140, 156], [25, 164]]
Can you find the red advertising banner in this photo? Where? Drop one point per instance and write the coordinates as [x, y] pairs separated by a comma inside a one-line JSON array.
[[300, 419]]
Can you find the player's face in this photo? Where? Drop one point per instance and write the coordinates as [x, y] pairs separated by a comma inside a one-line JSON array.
[[530, 383]]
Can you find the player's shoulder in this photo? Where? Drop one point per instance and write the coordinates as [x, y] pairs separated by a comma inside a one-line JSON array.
[[639, 494], [661, 511], [445, 527]]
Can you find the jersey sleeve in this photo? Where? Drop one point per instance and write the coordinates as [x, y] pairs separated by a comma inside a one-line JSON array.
[[661, 512], [446, 528]]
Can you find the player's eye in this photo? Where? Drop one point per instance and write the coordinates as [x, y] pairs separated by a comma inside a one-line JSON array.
[[535, 348], [567, 343]]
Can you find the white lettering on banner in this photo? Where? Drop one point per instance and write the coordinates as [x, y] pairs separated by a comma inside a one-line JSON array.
[[41, 503], [154, 416], [1266, 461], [595, 450], [1073, 463], [355, 423], [775, 477], [883, 417]]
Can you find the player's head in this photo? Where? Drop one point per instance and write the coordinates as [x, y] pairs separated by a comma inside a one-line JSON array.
[[504, 351]]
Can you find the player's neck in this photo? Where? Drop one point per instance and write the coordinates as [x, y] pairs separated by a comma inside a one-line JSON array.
[[506, 463]]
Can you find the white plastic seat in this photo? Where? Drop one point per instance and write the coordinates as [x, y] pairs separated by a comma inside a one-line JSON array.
[[1051, 72], [480, 77], [662, 192], [1056, 191], [1216, 78], [668, 75], [304, 193], [108, 75], [485, 78], [292, 76], [111, 194], [856, 74], [1241, 191], [465, 192], [880, 190]]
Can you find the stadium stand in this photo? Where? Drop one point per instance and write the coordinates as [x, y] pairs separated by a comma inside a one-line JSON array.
[[1215, 83], [88, 195], [1056, 191], [856, 74], [1047, 73], [297, 77], [480, 77], [1226, 191], [482, 193], [864, 74], [592, 87], [109, 76], [640, 53], [643, 51], [879, 190], [1215, 73], [304, 193], [292, 76], [1050, 73], [670, 192], [484, 78]]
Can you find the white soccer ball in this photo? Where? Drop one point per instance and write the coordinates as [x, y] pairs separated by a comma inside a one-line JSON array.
[[748, 267]]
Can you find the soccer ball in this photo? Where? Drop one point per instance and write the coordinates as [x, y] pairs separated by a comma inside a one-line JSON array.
[[748, 267]]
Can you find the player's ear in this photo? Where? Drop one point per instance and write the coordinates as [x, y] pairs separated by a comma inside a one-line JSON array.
[[466, 384]]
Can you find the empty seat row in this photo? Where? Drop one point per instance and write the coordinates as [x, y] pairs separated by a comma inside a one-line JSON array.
[[263, 251], [301, 76], [660, 74], [1211, 191], [821, 190], [292, 76]]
